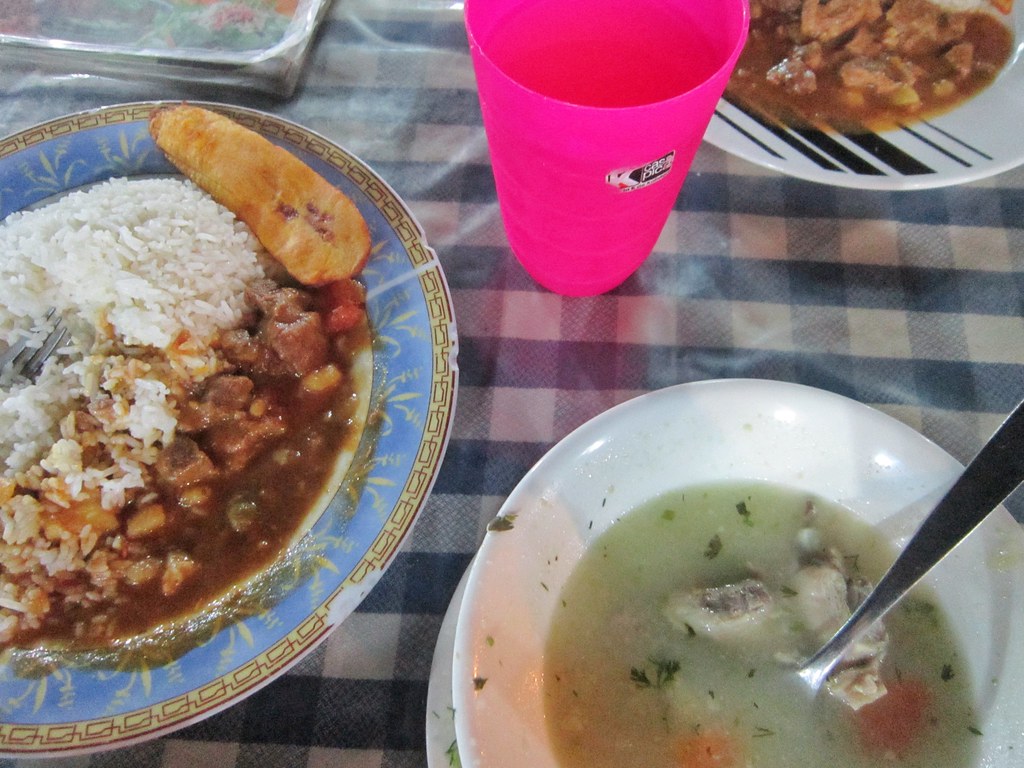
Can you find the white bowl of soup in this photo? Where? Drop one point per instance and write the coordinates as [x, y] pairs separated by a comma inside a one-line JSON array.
[[646, 592]]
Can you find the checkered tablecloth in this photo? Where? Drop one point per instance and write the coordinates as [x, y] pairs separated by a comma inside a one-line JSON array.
[[912, 302]]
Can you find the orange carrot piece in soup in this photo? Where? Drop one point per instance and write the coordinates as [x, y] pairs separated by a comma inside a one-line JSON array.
[[712, 748], [893, 724]]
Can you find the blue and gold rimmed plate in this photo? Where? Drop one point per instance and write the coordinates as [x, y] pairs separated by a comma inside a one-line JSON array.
[[63, 704]]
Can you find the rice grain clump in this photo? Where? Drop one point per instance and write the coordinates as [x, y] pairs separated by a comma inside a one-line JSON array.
[[145, 273]]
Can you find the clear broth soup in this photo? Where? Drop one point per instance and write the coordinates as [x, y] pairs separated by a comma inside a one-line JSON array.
[[629, 680]]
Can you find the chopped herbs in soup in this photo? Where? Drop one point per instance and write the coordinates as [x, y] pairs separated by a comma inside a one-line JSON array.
[[679, 632]]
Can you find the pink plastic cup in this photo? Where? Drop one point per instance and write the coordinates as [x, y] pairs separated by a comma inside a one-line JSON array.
[[593, 111]]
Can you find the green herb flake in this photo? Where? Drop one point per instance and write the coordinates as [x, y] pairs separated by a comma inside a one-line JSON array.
[[489, 641], [788, 591], [947, 673], [750, 672], [665, 671], [668, 514], [453, 755], [744, 512], [760, 732], [639, 677], [714, 547], [922, 610], [974, 730], [502, 523], [479, 683], [690, 631]]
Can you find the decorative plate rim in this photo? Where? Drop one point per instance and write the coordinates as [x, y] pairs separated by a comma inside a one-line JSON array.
[[425, 276]]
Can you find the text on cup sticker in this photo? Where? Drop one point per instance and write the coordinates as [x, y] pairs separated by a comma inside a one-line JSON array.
[[634, 178]]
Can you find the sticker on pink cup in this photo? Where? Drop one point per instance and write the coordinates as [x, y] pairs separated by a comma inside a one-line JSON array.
[[636, 178]]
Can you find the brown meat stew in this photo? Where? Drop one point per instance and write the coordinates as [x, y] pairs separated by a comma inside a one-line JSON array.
[[865, 64], [253, 450]]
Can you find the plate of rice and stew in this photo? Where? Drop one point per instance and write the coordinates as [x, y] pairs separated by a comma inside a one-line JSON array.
[[236, 433], [877, 94]]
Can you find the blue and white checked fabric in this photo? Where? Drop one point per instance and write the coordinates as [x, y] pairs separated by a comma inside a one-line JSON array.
[[912, 302]]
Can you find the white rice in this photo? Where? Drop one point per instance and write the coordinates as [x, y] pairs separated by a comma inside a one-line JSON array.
[[144, 273], [135, 263]]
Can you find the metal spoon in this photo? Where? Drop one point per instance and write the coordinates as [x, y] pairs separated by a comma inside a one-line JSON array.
[[990, 477]]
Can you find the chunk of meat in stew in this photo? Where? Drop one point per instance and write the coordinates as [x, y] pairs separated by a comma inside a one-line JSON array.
[[828, 21], [917, 27], [236, 417], [289, 336], [183, 463]]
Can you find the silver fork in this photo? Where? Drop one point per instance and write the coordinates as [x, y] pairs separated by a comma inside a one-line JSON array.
[[26, 360], [991, 476]]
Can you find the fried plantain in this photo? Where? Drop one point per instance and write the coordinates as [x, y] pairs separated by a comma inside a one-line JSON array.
[[304, 222]]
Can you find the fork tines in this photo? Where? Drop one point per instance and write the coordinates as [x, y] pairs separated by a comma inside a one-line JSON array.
[[27, 360]]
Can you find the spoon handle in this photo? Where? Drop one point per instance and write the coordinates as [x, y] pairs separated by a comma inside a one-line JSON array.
[[990, 477]]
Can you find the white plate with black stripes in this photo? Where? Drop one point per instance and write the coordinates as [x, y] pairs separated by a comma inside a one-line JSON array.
[[980, 138]]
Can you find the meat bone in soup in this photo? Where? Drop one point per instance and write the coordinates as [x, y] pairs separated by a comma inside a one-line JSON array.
[[865, 64], [678, 633]]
